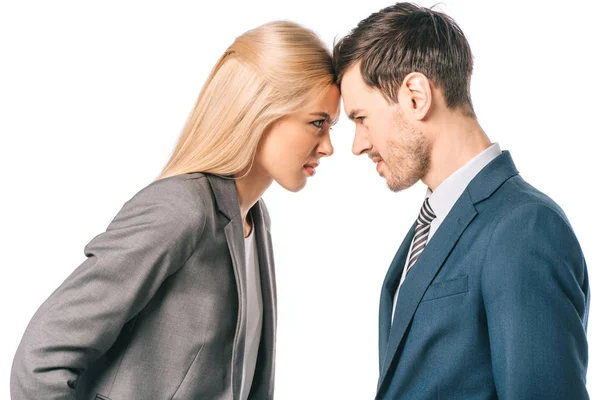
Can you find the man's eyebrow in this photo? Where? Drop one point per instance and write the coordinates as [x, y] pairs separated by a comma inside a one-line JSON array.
[[353, 113]]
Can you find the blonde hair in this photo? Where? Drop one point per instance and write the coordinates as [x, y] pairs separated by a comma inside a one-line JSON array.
[[267, 73]]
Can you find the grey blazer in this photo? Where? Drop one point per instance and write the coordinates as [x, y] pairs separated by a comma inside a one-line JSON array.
[[157, 309]]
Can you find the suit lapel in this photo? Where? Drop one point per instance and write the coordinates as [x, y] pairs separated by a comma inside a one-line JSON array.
[[388, 291], [423, 272], [234, 233], [265, 363], [227, 201]]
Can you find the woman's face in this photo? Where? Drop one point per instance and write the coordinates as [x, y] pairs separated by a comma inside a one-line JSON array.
[[289, 151]]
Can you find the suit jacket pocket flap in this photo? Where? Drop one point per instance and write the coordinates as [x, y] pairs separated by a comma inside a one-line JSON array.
[[447, 288]]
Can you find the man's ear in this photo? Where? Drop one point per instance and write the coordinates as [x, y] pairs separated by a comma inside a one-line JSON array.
[[415, 95]]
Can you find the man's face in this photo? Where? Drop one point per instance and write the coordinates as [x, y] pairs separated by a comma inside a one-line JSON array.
[[385, 132]]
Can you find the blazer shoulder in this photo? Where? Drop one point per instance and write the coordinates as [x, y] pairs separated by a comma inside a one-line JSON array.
[[519, 197], [184, 197]]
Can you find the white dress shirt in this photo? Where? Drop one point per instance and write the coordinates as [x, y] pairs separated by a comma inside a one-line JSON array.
[[254, 314], [445, 196]]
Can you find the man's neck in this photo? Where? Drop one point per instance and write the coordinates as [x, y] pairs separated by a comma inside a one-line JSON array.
[[455, 142]]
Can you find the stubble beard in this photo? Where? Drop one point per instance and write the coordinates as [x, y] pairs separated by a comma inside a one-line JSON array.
[[408, 159]]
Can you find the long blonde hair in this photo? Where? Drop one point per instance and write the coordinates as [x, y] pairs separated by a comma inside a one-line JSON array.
[[267, 73]]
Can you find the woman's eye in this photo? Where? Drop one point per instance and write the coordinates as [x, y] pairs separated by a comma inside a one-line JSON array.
[[319, 123]]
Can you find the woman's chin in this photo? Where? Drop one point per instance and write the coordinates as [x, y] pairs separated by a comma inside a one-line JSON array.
[[293, 185]]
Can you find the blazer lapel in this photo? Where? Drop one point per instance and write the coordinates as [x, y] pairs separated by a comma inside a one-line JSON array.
[[263, 384], [227, 201], [388, 290], [423, 272]]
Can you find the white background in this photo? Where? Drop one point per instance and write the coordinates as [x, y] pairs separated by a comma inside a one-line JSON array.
[[93, 96]]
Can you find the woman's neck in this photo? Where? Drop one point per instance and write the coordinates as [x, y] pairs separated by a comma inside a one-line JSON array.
[[250, 187]]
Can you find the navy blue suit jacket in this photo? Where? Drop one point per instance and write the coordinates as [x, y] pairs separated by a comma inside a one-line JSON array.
[[495, 307]]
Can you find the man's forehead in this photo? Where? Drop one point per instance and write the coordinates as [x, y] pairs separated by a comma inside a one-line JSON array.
[[352, 79], [353, 88]]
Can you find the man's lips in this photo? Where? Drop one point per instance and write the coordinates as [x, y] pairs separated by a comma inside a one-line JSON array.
[[379, 162]]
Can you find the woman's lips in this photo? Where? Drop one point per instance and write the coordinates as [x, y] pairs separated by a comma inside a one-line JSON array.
[[311, 169]]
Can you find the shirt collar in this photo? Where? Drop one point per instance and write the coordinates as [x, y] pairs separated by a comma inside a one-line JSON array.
[[447, 193]]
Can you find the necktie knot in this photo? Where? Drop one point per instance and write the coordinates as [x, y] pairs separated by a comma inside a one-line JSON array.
[[426, 215]]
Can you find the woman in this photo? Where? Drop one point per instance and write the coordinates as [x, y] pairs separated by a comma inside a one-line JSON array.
[[176, 300]]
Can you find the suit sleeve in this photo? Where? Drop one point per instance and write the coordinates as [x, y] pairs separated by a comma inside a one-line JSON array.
[[536, 297], [152, 236]]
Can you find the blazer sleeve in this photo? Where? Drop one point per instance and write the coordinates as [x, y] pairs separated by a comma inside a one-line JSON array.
[[536, 296], [152, 236]]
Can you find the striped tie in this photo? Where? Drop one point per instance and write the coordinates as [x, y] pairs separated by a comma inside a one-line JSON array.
[[421, 233]]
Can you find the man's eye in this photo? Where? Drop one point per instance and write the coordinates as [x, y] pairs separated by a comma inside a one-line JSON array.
[[319, 123], [359, 120]]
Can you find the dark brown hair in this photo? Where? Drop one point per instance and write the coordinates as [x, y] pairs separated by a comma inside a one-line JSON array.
[[405, 38]]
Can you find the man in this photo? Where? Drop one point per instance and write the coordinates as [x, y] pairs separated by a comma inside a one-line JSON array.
[[488, 295]]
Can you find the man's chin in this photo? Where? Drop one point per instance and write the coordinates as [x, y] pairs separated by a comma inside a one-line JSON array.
[[396, 185], [394, 188]]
